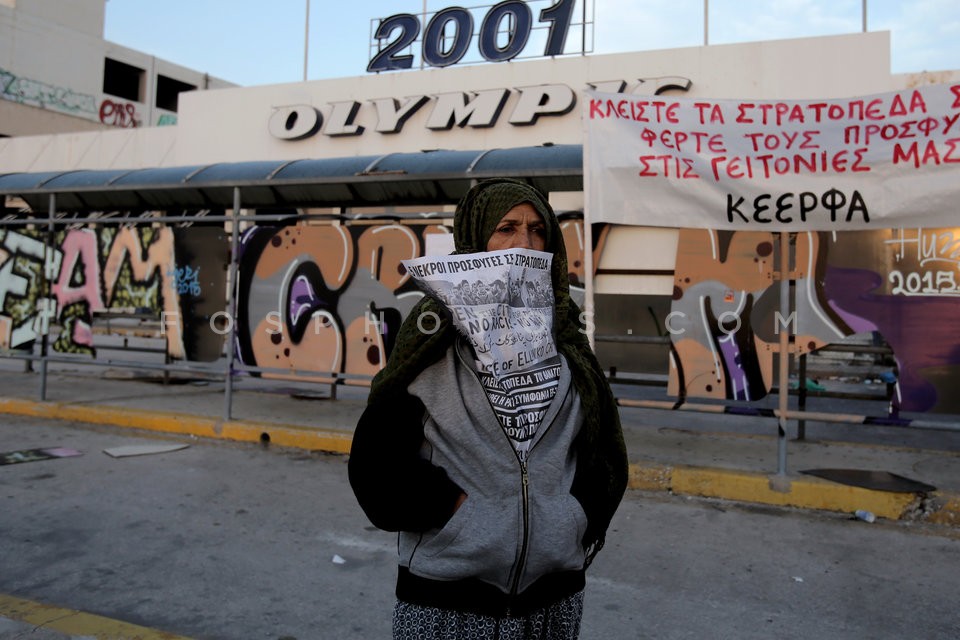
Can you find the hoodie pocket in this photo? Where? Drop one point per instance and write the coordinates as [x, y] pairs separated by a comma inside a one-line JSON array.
[[558, 524], [438, 543], [481, 540]]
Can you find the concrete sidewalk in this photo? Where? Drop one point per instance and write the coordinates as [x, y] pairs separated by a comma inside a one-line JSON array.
[[689, 453]]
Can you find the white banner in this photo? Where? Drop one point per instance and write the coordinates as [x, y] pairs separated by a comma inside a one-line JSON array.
[[881, 161]]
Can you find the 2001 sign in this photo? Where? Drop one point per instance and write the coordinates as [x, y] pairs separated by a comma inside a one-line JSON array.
[[441, 50]]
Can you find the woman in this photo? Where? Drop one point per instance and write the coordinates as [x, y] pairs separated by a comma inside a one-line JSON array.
[[496, 532]]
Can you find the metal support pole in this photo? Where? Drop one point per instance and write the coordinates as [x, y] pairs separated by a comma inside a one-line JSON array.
[[306, 41], [44, 300], [588, 306], [232, 305], [802, 397], [583, 31], [423, 20], [784, 373], [588, 214], [706, 22]]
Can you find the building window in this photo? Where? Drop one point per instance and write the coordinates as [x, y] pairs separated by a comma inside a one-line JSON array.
[[123, 80], [168, 90]]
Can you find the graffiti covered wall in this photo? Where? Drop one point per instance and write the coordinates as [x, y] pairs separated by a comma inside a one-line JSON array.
[[325, 298], [312, 298], [903, 284], [329, 298], [46, 96], [90, 271], [111, 111], [318, 301]]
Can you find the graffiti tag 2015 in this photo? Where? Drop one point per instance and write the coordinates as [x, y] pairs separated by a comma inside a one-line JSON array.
[[901, 284]]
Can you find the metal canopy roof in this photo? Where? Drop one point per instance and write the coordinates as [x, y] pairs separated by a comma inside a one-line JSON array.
[[420, 178]]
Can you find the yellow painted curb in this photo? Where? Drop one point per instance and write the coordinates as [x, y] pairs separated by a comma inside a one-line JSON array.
[[649, 477], [802, 492], [807, 493], [185, 424], [948, 512], [741, 486], [77, 623]]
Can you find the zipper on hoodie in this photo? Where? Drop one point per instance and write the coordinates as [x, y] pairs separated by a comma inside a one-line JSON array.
[[524, 485], [525, 492]]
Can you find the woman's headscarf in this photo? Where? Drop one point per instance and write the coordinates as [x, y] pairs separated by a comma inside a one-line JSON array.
[[475, 219]]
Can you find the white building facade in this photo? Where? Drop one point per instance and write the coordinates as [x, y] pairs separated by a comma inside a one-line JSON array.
[[58, 74], [502, 105], [635, 278]]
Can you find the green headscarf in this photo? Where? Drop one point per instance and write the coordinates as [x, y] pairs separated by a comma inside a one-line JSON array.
[[600, 440]]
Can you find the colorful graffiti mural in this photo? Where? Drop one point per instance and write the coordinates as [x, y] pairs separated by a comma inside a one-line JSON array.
[[330, 298], [86, 271], [725, 320], [903, 284], [325, 298], [318, 301], [312, 298]]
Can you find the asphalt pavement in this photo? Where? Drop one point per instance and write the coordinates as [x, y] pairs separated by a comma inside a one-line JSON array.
[[706, 453], [211, 539]]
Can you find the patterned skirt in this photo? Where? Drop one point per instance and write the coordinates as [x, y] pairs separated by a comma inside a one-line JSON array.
[[558, 621]]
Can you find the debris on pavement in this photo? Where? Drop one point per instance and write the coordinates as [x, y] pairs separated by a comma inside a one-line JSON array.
[[34, 455], [876, 480], [809, 384], [143, 449]]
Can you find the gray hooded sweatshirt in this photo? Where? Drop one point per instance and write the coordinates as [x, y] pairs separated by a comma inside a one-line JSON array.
[[519, 521]]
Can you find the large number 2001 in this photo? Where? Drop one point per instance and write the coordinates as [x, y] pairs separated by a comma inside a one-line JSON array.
[[436, 51]]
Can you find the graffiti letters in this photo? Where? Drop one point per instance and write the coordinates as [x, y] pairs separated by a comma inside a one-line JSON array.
[[88, 271], [119, 114], [925, 246], [324, 301], [24, 309], [325, 298], [45, 96], [186, 281]]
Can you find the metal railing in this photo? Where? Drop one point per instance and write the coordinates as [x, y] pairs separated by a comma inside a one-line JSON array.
[[228, 366]]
